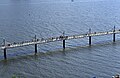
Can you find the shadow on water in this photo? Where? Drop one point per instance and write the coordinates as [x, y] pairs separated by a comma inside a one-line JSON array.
[[62, 52], [35, 56], [72, 0]]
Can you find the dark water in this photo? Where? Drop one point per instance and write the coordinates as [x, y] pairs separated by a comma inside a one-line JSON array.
[[22, 19]]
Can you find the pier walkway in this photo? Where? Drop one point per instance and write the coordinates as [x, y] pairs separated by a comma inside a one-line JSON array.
[[53, 39]]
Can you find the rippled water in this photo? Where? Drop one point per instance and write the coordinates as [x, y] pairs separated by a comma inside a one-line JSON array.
[[22, 19]]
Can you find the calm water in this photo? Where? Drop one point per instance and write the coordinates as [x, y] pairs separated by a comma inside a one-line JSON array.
[[22, 19]]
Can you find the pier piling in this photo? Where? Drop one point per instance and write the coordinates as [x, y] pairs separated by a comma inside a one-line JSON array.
[[35, 45], [63, 40], [5, 56], [90, 39], [63, 44], [114, 34], [35, 48]]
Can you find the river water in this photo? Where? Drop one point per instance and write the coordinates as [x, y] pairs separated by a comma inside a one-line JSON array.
[[21, 20]]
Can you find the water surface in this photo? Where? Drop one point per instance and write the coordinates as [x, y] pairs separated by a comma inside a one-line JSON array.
[[21, 20]]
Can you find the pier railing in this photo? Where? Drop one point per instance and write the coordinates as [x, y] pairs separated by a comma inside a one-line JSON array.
[[59, 38]]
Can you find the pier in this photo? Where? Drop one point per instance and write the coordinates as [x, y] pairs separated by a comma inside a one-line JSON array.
[[63, 38]]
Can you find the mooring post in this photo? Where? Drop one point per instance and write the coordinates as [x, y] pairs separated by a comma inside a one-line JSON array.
[[5, 56], [114, 34], [35, 45], [63, 40], [90, 37]]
